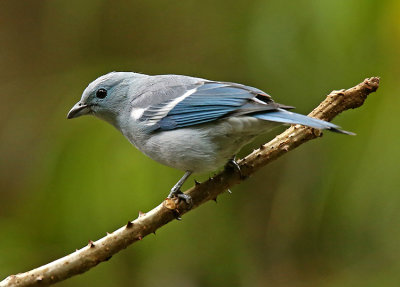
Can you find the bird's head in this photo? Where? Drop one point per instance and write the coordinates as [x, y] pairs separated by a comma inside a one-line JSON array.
[[106, 97]]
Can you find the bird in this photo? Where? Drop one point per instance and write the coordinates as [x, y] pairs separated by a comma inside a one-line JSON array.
[[187, 123]]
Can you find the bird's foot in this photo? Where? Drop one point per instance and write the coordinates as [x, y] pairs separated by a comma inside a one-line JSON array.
[[176, 190], [181, 196], [232, 164]]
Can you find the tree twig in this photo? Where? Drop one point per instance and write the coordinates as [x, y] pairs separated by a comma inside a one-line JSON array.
[[101, 250]]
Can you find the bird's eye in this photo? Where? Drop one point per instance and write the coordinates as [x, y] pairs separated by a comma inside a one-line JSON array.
[[101, 93]]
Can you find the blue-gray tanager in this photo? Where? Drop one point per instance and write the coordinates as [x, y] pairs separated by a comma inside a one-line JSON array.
[[188, 123]]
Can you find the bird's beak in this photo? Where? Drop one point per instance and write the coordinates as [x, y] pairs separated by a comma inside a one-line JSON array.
[[78, 110]]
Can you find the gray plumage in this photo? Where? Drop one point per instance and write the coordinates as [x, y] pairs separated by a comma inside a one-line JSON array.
[[188, 123]]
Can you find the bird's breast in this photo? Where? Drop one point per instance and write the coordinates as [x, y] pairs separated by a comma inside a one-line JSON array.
[[198, 148]]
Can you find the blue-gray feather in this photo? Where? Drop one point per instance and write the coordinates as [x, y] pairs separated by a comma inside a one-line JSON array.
[[209, 102], [283, 116], [185, 122]]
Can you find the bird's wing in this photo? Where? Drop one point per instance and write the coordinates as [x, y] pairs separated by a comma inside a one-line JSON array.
[[205, 102]]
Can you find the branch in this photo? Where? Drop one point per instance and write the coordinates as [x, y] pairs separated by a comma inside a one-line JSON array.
[[103, 249]]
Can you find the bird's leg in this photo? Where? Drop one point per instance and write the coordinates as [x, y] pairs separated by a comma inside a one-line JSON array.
[[232, 164], [176, 190]]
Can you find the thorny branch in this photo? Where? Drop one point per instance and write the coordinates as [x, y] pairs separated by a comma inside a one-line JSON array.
[[101, 250]]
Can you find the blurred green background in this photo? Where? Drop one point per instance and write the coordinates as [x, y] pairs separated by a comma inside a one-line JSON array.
[[327, 214]]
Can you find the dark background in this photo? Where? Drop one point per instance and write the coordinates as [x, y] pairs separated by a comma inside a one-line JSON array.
[[326, 214]]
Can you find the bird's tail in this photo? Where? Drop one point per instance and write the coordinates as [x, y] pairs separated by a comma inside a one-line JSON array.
[[283, 116]]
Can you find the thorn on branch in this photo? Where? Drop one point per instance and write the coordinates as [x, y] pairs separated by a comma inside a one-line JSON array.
[[91, 244], [177, 214], [129, 224]]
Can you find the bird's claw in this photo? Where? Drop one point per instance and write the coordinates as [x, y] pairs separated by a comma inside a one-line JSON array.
[[182, 196], [232, 164]]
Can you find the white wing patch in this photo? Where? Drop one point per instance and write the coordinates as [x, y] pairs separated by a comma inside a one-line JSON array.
[[137, 113], [173, 103], [162, 112]]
